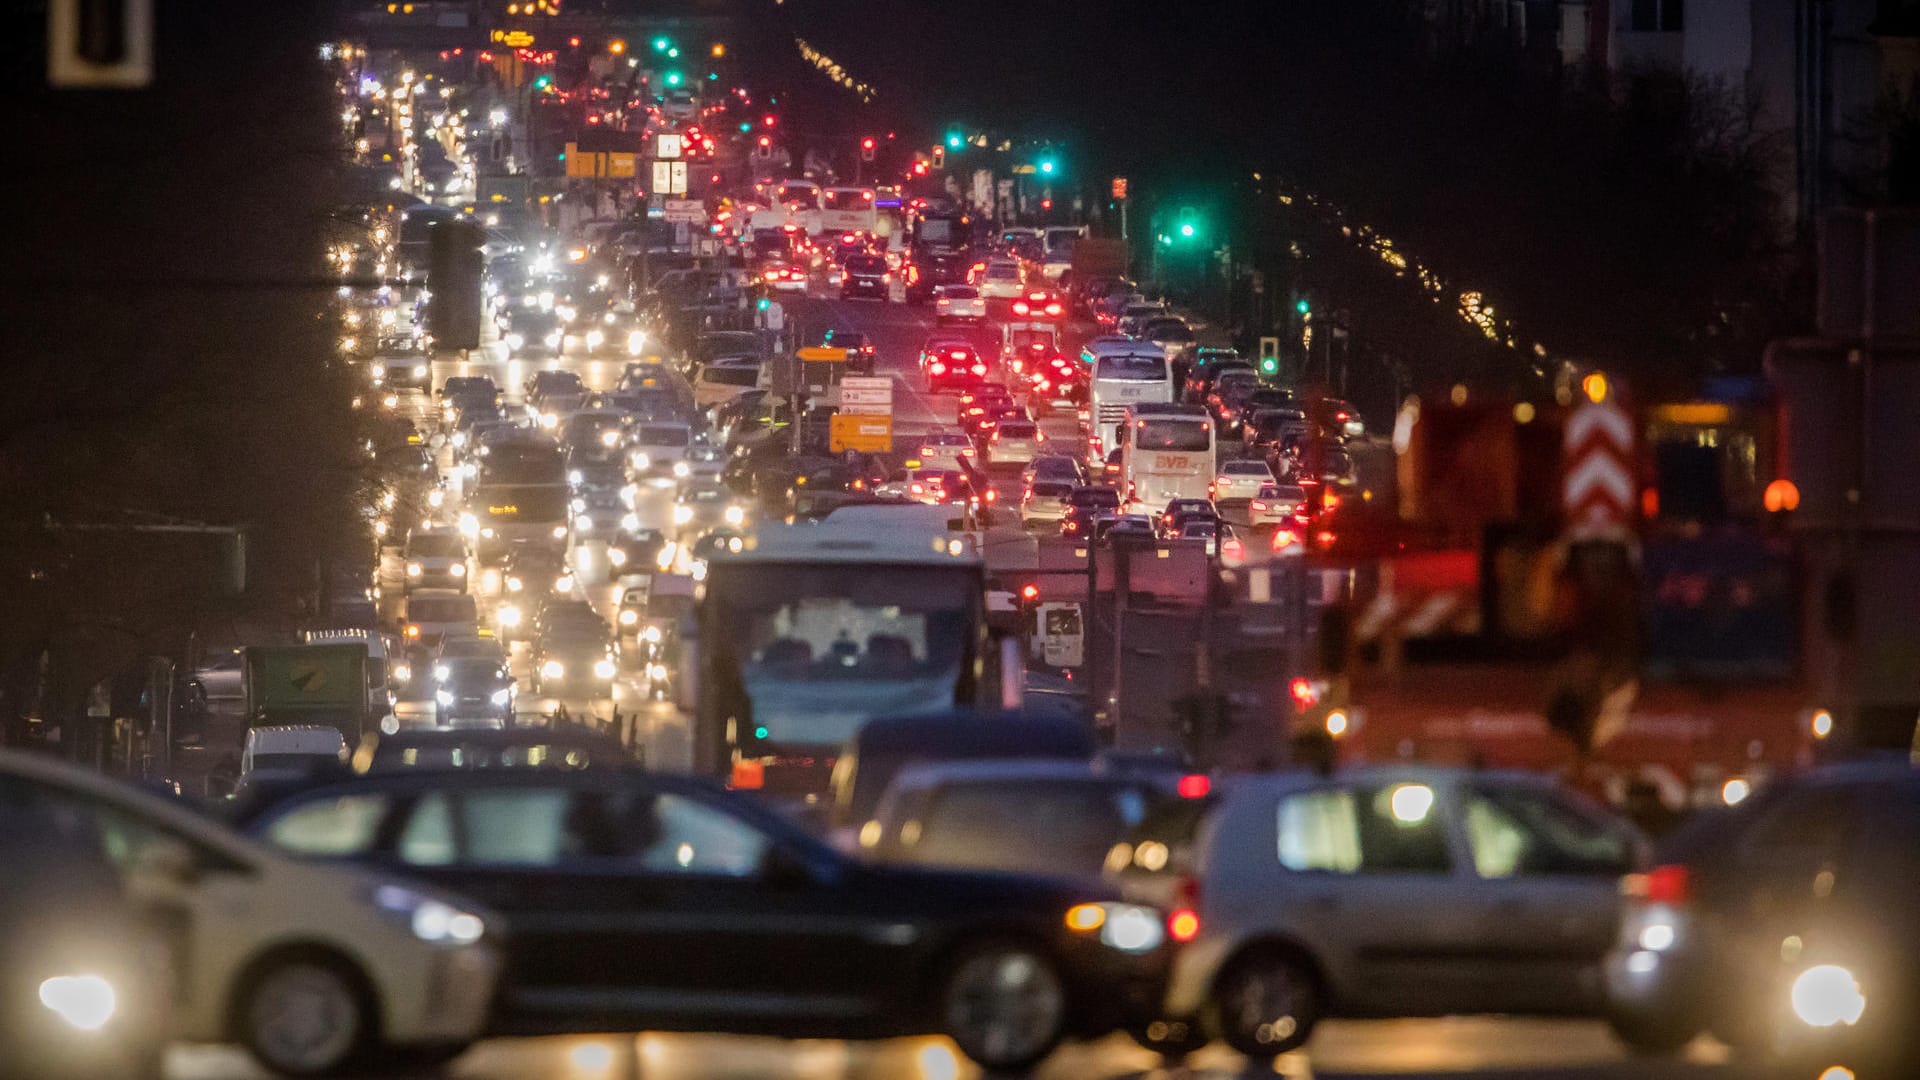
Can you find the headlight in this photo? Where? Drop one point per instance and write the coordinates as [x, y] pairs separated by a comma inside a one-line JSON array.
[[436, 498], [458, 569], [617, 556], [610, 438], [682, 514], [576, 477], [1127, 927], [641, 461], [652, 634], [500, 697], [507, 615], [459, 439], [419, 371], [629, 617], [430, 920], [631, 523], [549, 420], [553, 340], [559, 532], [444, 697], [403, 672], [1828, 995], [514, 584], [735, 515], [605, 669], [636, 341], [584, 523], [552, 669], [379, 370], [563, 583], [515, 341], [595, 338], [469, 525], [487, 533], [86, 1002], [682, 470], [441, 672], [413, 569]]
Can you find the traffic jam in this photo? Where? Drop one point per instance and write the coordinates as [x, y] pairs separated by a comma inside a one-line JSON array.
[[821, 601]]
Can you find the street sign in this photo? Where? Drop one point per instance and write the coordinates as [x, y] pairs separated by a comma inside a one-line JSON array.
[[1062, 634], [1023, 170], [1119, 187], [513, 39], [1598, 457], [822, 354], [688, 210], [867, 434], [670, 145], [662, 178], [866, 395], [677, 178]]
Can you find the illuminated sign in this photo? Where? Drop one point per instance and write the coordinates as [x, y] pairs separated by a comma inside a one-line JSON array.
[[513, 39], [503, 511]]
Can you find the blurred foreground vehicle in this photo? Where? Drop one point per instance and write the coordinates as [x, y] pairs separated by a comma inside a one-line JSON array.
[[1378, 892], [645, 902], [1786, 926], [313, 969]]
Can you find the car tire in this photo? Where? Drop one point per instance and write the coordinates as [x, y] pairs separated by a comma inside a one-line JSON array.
[[1003, 1004], [1171, 1039], [1267, 1003], [1653, 1035], [423, 1057], [306, 1015]]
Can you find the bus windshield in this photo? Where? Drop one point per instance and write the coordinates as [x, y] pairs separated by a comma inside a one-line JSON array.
[[1172, 435], [819, 649], [847, 199], [1131, 368], [521, 502]]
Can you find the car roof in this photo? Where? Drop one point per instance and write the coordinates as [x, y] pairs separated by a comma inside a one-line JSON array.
[[963, 731], [1020, 770]]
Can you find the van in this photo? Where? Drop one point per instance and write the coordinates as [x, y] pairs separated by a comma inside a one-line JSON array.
[[384, 675], [290, 751]]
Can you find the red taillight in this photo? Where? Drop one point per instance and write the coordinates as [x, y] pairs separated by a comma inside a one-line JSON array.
[[996, 437], [1020, 307], [992, 495], [1660, 885], [958, 354], [1183, 922], [1259, 507], [1285, 538], [979, 369], [1194, 786], [1303, 693], [1053, 309], [937, 368], [1073, 526], [966, 451]]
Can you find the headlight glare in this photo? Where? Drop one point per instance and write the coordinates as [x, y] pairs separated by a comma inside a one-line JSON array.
[[605, 669], [443, 697], [86, 1002], [500, 697], [431, 920], [1828, 995], [552, 669]]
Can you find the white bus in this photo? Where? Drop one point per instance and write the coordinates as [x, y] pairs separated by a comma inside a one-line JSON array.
[[1121, 373], [848, 210], [1166, 453]]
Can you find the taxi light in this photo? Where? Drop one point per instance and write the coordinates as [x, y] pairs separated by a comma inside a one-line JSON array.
[[749, 775], [1194, 786]]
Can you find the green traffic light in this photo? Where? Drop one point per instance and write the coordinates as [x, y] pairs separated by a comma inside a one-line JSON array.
[[673, 78], [661, 44], [954, 141], [543, 82], [1187, 230], [1047, 167], [1303, 307], [673, 54], [760, 732], [746, 127], [1270, 365]]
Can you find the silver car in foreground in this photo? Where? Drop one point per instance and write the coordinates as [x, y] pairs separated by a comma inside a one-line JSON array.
[[1378, 892]]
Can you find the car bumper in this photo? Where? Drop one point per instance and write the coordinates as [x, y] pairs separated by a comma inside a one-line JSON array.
[[1195, 966], [446, 999], [789, 286], [864, 288], [1109, 989], [1639, 983]]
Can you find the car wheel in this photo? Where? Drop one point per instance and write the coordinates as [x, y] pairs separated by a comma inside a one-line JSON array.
[[1171, 1039], [1653, 1035], [1003, 1005], [306, 1016], [423, 1057], [1267, 1004]]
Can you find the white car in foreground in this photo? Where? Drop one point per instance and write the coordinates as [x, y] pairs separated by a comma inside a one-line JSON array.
[[1241, 479], [312, 968]]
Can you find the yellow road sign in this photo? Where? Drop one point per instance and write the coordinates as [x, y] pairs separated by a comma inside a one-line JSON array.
[[867, 434], [823, 354]]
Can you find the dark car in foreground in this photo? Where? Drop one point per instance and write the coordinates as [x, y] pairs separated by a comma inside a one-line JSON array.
[[637, 901], [1785, 925]]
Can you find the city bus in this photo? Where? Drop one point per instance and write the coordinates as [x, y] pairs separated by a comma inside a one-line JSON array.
[[800, 195], [521, 496], [805, 632], [1121, 373], [1166, 453], [848, 210]]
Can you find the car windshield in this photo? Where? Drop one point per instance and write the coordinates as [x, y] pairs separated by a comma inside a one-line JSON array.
[[1168, 330], [725, 375], [662, 435], [473, 672], [441, 608], [437, 546], [866, 264], [1283, 493], [817, 650]]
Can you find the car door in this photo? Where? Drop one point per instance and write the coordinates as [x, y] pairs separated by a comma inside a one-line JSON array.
[[1372, 881], [1545, 875]]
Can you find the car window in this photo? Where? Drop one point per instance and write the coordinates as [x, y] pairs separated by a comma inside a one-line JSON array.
[[515, 827], [1807, 825], [1520, 833], [428, 839], [693, 838], [973, 825], [346, 825], [1389, 830]]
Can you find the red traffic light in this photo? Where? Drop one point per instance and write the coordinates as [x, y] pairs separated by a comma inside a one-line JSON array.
[[766, 140], [919, 168], [769, 120], [1029, 592], [867, 143]]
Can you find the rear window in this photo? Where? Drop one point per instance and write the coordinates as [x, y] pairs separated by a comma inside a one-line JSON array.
[[730, 376], [1100, 496], [1063, 826], [1018, 430], [961, 292], [867, 264]]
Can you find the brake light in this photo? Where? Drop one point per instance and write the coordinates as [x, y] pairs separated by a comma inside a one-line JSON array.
[[1329, 501], [1053, 309], [958, 354], [992, 495], [1020, 307], [1183, 922], [979, 369], [1194, 786], [1303, 693], [1285, 538], [1660, 885], [1039, 436], [1259, 507], [966, 451], [917, 489], [937, 368], [996, 437], [926, 451]]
